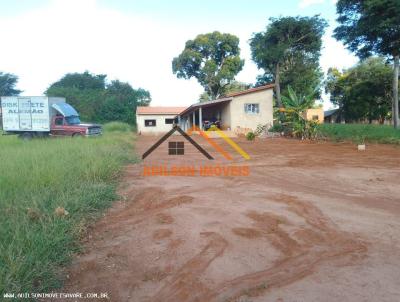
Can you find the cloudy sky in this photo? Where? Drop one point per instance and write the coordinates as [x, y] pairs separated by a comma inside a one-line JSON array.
[[136, 40]]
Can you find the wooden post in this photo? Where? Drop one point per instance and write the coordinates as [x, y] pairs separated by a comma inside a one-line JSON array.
[[194, 118]]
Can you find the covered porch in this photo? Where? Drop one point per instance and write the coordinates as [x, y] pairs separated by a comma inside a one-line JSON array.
[[202, 115]]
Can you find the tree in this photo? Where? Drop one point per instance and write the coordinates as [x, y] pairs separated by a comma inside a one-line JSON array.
[[143, 97], [8, 82], [98, 101], [85, 91], [370, 27], [81, 81], [213, 59], [121, 101], [363, 91], [234, 86], [288, 42], [303, 74]]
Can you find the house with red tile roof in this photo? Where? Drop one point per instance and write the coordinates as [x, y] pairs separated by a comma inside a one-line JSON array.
[[156, 119], [239, 112]]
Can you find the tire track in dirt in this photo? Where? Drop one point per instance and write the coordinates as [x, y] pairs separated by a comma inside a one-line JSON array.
[[144, 205], [298, 259], [185, 285], [283, 273]]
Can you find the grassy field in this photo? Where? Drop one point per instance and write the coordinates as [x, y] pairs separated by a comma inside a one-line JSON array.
[[38, 176], [359, 133]]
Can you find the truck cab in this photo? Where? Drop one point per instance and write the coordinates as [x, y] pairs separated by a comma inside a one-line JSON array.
[[66, 122], [71, 126]]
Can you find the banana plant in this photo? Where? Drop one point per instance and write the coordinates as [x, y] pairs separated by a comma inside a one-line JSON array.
[[295, 122], [297, 103]]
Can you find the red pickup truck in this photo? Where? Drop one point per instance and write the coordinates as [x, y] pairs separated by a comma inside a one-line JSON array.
[[71, 126], [66, 126]]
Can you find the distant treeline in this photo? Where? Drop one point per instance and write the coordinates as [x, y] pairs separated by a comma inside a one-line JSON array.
[[99, 101], [96, 99]]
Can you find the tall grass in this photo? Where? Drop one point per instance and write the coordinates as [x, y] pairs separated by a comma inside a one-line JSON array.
[[117, 126], [359, 133], [38, 176]]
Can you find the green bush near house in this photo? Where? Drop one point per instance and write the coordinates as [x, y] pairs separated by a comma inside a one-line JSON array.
[[38, 176], [250, 136], [277, 128]]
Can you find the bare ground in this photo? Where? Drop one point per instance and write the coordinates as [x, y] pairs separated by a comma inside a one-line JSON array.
[[312, 222]]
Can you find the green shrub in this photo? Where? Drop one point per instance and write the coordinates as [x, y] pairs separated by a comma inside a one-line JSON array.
[[276, 128], [117, 126], [250, 136]]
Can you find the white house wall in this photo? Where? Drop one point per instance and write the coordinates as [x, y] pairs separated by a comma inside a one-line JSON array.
[[242, 120], [160, 127], [226, 116]]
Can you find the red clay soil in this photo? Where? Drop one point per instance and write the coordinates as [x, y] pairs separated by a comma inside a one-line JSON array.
[[311, 222]]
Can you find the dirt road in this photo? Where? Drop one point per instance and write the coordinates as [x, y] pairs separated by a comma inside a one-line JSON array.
[[311, 222]]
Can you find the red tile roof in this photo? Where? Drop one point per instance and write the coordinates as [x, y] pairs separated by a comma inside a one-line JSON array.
[[251, 90], [159, 110]]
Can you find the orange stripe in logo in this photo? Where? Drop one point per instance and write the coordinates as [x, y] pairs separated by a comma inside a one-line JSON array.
[[210, 141]]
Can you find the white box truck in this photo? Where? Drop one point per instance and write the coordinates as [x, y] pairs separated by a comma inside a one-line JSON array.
[[41, 116]]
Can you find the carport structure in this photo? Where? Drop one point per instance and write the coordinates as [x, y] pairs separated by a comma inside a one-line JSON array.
[[196, 114]]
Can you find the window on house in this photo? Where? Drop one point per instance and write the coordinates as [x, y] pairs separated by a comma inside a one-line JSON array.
[[169, 121], [315, 118], [252, 108], [176, 148], [149, 123]]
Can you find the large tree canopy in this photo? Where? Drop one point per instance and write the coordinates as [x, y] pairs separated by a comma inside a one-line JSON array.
[[213, 59], [8, 82], [289, 44], [81, 81], [370, 27], [301, 74], [362, 92], [234, 86], [98, 101]]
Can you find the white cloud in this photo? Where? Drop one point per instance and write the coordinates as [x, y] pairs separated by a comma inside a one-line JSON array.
[[77, 35]]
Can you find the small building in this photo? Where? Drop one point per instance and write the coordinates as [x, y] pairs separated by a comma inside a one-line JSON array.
[[333, 116], [314, 114], [239, 112], [156, 119]]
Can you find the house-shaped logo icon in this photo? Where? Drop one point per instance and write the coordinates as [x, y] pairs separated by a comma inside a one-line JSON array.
[[177, 147]]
